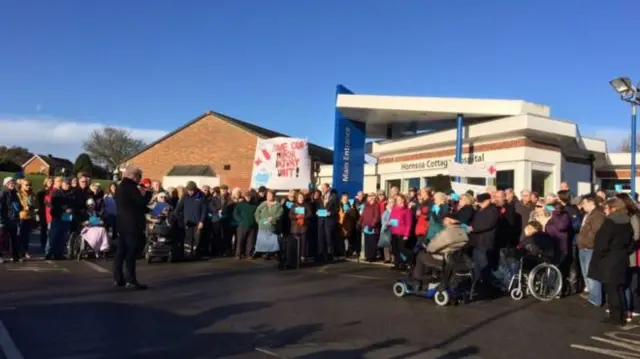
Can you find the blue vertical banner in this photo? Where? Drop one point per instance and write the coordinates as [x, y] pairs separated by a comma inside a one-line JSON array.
[[348, 151]]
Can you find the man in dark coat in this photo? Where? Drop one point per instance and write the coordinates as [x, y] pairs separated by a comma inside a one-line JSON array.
[[482, 237], [327, 212], [509, 225], [193, 208], [524, 207], [131, 207]]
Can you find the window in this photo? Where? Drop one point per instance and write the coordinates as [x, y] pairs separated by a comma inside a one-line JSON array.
[[541, 182], [504, 179], [609, 184], [411, 182], [439, 183], [476, 181], [392, 183]]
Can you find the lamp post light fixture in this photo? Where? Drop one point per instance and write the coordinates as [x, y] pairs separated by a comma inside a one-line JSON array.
[[630, 94]]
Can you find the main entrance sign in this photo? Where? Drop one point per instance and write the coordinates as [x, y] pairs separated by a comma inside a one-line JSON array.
[[348, 152]]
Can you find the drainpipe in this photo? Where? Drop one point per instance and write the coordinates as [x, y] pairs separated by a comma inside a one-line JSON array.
[[592, 161]]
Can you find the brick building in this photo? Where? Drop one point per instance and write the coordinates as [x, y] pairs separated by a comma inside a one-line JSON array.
[[225, 144], [47, 165]]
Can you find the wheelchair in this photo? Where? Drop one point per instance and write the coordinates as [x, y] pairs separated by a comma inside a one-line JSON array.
[[544, 281]]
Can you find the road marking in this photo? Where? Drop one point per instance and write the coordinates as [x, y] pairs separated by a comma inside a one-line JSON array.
[[621, 340], [96, 267], [264, 351], [37, 269], [325, 270], [7, 344]]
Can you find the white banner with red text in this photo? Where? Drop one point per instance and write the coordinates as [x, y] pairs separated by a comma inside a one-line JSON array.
[[281, 163]]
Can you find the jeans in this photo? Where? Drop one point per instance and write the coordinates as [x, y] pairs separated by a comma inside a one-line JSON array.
[[480, 258], [58, 233], [25, 236], [594, 287]]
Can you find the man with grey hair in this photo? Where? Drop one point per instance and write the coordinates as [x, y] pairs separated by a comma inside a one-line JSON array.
[[131, 207], [524, 207]]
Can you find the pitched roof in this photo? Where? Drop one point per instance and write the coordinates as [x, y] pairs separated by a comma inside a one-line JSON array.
[[52, 161], [56, 161], [191, 170], [322, 154]]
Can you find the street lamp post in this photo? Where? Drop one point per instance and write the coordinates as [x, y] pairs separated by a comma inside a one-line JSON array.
[[630, 94]]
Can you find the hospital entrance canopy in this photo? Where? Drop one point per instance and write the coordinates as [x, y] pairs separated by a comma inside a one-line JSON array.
[[426, 113], [358, 117]]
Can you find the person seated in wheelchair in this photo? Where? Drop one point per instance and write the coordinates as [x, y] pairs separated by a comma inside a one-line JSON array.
[[440, 252], [535, 247], [160, 214], [93, 232]]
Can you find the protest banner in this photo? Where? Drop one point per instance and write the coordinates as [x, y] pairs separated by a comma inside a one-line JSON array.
[[461, 188], [281, 163], [476, 170]]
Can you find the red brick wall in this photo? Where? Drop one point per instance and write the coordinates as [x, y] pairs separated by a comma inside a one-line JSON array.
[[210, 141], [35, 166]]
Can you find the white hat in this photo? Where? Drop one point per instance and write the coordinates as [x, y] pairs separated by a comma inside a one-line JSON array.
[[7, 180]]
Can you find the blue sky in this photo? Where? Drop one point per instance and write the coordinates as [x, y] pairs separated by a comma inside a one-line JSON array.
[[69, 66]]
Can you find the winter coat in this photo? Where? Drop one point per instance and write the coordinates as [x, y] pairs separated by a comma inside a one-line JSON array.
[[436, 218], [559, 227], [245, 214], [264, 211], [29, 205], [370, 216], [347, 219], [10, 207], [447, 241], [524, 212], [385, 230], [404, 219], [300, 221], [465, 214], [591, 223], [193, 208], [613, 244], [483, 228]]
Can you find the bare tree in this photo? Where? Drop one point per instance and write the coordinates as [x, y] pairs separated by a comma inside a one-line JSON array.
[[111, 146], [625, 146]]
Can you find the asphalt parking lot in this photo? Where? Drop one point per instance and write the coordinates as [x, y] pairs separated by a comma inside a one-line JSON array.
[[223, 308]]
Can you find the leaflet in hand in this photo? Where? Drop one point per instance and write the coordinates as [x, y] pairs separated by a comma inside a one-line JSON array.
[[322, 213], [299, 210], [393, 222]]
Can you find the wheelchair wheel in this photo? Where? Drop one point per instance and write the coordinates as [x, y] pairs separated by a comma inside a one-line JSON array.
[[516, 294], [399, 289], [441, 298], [545, 282]]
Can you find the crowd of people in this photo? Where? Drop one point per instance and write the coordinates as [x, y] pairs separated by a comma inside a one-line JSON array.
[[592, 239]]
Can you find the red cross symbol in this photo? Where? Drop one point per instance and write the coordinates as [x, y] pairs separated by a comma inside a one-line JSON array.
[[492, 170]]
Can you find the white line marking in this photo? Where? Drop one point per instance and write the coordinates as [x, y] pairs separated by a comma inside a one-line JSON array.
[[49, 262], [264, 351], [96, 267], [7, 345], [359, 276]]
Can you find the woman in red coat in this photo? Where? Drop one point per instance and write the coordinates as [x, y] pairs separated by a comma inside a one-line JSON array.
[[370, 224]]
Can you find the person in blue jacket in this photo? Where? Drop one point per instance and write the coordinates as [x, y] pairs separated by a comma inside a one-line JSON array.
[[193, 208]]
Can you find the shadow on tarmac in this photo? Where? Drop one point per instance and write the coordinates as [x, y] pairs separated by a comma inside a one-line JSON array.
[[126, 331]]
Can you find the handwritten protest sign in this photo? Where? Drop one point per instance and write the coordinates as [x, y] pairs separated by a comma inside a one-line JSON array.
[[281, 163]]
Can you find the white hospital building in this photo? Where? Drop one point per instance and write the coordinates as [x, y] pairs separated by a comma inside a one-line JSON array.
[[414, 141]]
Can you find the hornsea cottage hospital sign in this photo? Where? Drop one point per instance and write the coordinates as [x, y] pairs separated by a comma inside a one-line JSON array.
[[438, 163]]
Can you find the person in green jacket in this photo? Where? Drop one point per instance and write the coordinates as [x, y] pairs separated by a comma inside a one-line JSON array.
[[244, 216], [267, 215]]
